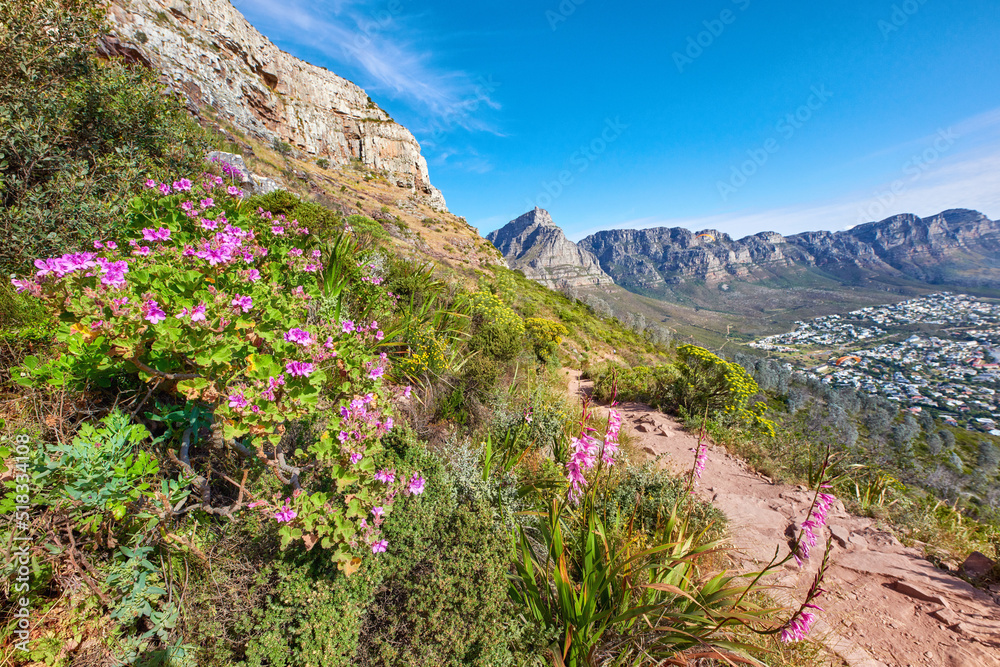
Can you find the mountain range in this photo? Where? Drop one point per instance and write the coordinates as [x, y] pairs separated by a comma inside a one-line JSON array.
[[957, 248]]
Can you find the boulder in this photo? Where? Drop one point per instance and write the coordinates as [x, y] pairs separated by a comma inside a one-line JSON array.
[[977, 566]]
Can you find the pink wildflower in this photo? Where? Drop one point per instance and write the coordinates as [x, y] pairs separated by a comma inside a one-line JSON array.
[[416, 484], [380, 546], [798, 627], [286, 513], [244, 303], [299, 337], [153, 313], [385, 476], [299, 368], [238, 401], [198, 314]]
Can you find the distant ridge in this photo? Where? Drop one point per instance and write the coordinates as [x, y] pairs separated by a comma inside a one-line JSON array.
[[955, 247]]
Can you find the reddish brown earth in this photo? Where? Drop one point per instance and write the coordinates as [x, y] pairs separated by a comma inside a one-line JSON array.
[[886, 605]]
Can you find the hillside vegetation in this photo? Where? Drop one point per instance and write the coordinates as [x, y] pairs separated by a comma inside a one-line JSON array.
[[324, 426]]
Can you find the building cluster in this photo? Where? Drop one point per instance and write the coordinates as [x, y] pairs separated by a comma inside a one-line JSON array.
[[939, 353]]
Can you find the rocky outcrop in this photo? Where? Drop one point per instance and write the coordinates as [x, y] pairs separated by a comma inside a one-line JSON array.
[[234, 165], [534, 245], [646, 258], [956, 247], [209, 52]]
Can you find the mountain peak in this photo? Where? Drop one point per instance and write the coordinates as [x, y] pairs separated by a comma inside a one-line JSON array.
[[534, 244]]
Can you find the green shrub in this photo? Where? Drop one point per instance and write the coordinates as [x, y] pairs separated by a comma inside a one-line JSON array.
[[545, 336], [723, 389], [77, 134], [647, 495], [498, 332], [481, 374], [320, 220], [312, 616], [281, 147], [362, 224], [322, 163], [438, 596]]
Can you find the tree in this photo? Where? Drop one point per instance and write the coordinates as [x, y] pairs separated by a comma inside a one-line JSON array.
[[988, 459]]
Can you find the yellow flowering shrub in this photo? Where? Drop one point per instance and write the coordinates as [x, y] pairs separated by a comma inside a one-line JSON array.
[[425, 354], [545, 336], [498, 332], [708, 382]]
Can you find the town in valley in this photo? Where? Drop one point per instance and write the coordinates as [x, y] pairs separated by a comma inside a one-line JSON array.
[[939, 353]]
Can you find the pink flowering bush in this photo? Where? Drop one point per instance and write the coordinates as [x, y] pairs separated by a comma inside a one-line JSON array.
[[212, 300]]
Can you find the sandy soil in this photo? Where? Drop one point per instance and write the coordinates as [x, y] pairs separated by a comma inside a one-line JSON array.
[[886, 605]]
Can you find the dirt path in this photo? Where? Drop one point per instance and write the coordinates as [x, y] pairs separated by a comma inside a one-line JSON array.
[[886, 604]]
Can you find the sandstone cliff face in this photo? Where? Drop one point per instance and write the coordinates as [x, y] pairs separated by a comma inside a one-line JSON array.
[[209, 52], [645, 258], [957, 247], [533, 244]]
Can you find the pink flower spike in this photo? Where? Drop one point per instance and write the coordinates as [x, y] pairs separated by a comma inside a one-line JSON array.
[[380, 546], [198, 314], [378, 512]]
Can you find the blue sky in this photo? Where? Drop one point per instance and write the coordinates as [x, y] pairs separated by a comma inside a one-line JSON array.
[[738, 115]]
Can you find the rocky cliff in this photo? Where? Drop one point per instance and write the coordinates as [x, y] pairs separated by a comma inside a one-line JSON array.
[[534, 244], [209, 52], [958, 247], [648, 258]]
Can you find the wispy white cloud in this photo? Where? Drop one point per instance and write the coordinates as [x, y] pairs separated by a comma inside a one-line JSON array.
[[378, 38]]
